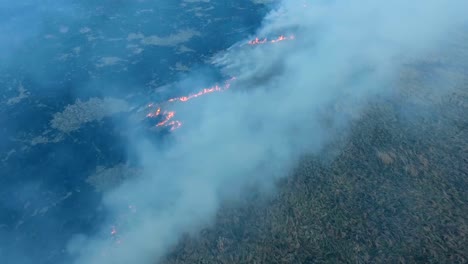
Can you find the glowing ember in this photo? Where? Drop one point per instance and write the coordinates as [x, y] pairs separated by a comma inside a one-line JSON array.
[[258, 41]]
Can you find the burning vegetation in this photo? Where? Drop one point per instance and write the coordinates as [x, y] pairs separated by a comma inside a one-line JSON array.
[[166, 117], [280, 38]]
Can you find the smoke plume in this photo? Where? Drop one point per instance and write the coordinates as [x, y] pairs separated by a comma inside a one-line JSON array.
[[289, 99]]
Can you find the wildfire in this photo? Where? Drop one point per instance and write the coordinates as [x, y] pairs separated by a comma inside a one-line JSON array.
[[280, 38], [257, 41], [116, 238], [154, 114], [212, 89], [169, 115], [215, 88]]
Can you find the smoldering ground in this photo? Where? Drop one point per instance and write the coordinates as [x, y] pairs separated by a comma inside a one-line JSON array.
[[344, 54]]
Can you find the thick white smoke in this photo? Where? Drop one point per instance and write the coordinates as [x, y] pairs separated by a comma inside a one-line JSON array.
[[282, 105]]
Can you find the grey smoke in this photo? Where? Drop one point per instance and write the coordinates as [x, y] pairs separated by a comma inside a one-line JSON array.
[[344, 53]]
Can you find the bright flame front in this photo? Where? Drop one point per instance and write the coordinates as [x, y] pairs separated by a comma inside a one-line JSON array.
[[168, 116]]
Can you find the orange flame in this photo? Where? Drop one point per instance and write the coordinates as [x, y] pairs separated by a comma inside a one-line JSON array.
[[212, 89], [169, 115], [257, 41], [215, 88], [156, 113]]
